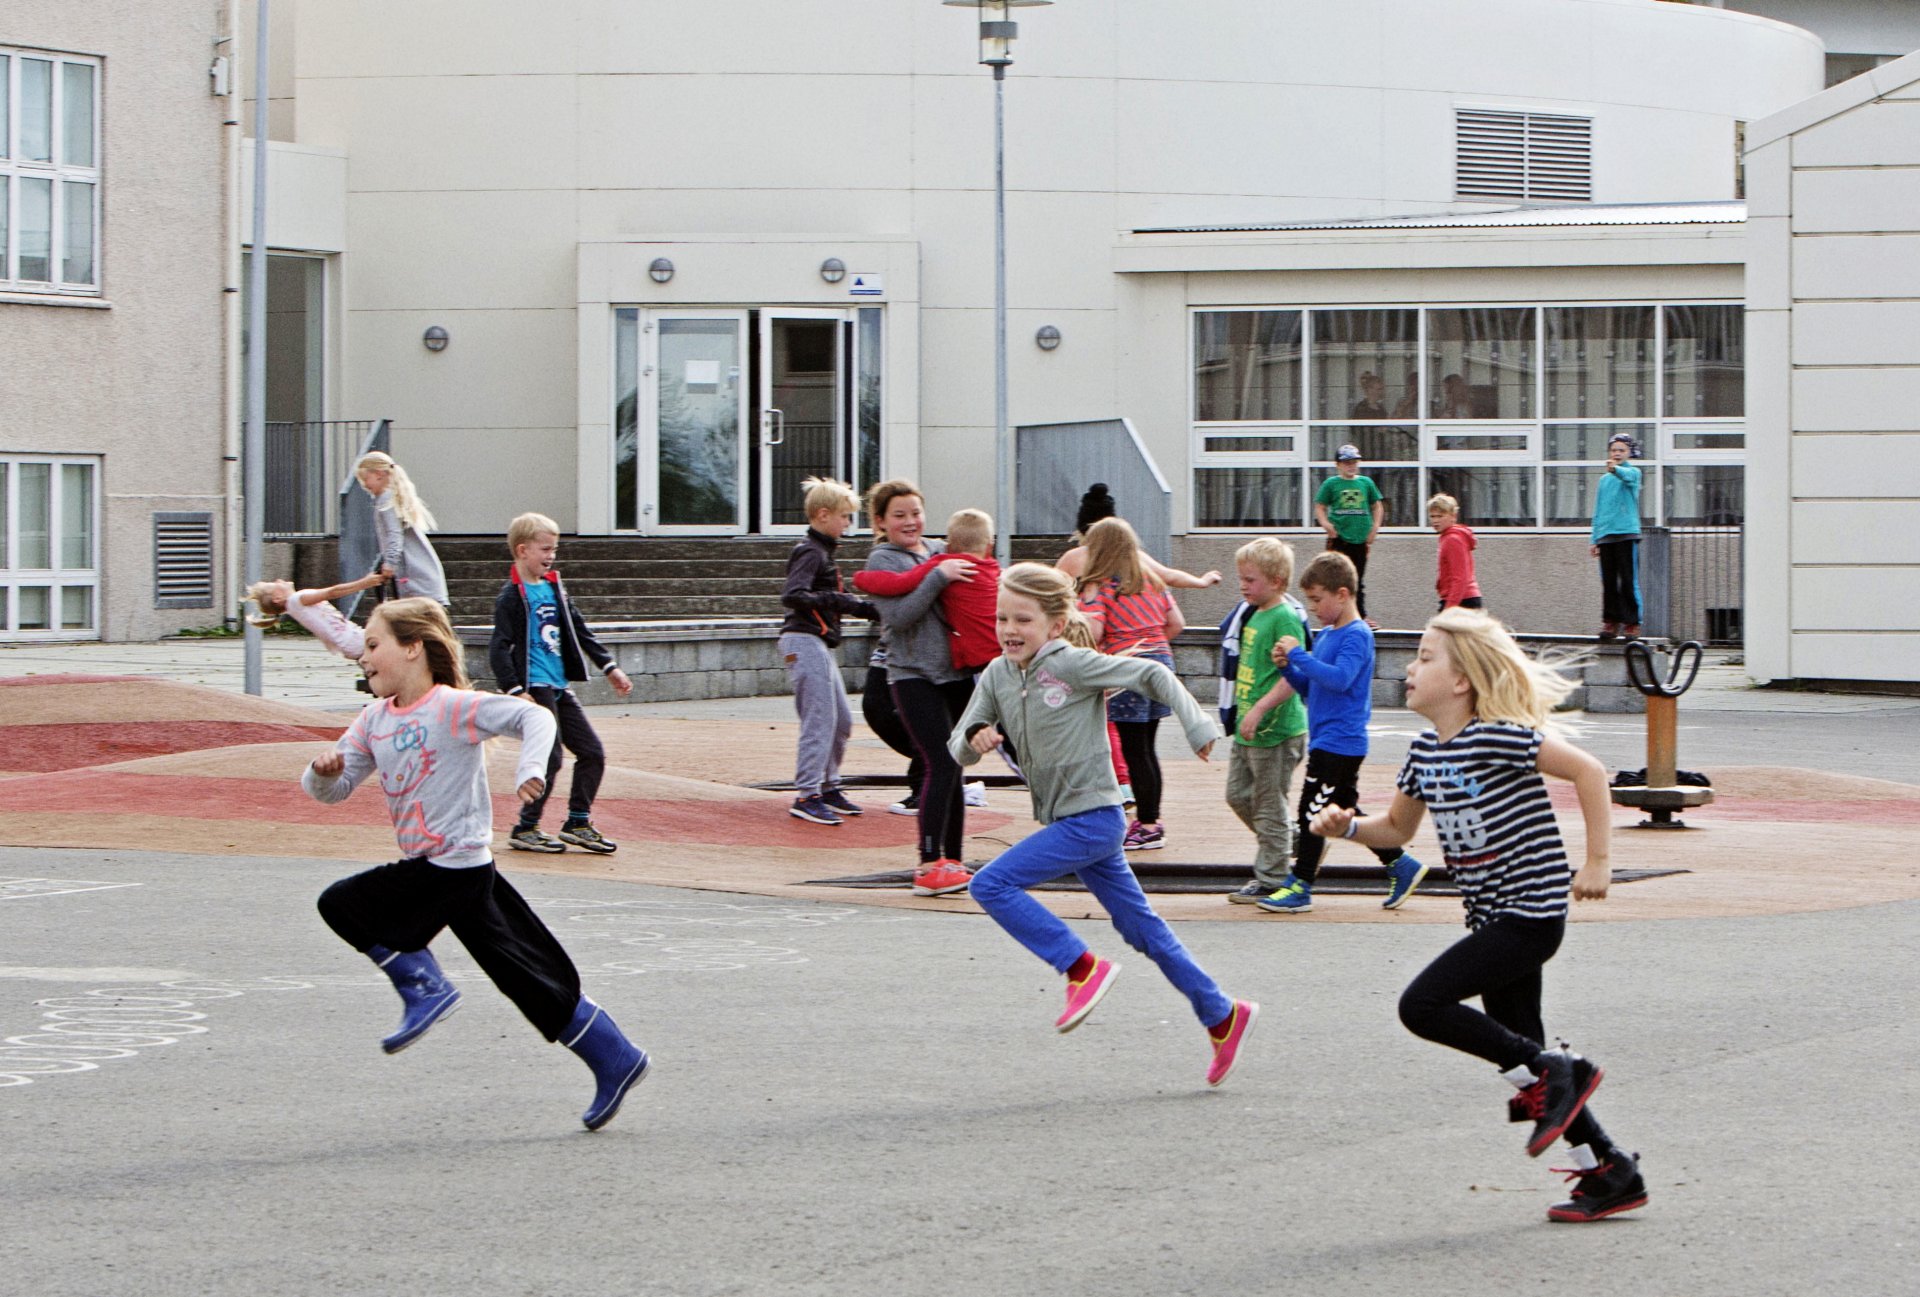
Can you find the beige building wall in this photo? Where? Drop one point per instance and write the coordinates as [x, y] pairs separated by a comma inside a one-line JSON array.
[[137, 375], [1834, 383]]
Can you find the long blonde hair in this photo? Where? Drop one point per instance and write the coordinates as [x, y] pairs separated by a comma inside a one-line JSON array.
[[1053, 590], [1507, 684], [1113, 554], [424, 622], [407, 504], [265, 596]]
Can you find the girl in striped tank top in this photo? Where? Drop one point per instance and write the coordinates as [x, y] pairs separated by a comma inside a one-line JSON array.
[[1134, 616], [1478, 769]]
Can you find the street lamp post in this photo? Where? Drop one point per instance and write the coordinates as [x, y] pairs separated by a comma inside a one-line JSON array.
[[997, 33]]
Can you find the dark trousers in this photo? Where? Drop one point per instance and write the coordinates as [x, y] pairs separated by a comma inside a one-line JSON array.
[[1143, 767], [878, 711], [930, 711], [1619, 583], [1331, 780], [1502, 964], [403, 906], [1358, 553], [576, 736]]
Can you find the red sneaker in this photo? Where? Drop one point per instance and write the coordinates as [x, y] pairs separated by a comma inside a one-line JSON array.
[[941, 878], [1226, 1050], [1084, 994]]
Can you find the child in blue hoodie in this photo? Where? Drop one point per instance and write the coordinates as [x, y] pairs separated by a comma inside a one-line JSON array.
[[1335, 676]]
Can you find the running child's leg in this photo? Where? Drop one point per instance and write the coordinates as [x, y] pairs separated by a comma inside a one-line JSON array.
[[515, 949], [531, 812], [390, 914], [589, 757], [924, 712], [1328, 782], [1504, 953], [1062, 847], [1137, 742], [1517, 1007], [956, 694], [1112, 883], [883, 718]]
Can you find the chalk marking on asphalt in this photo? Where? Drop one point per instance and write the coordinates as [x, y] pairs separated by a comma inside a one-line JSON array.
[[27, 973], [18, 889]]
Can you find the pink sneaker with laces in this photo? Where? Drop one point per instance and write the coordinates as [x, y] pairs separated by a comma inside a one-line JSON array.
[[1084, 994], [1226, 1050]]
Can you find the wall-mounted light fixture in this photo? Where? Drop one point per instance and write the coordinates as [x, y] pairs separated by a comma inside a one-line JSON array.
[[660, 271], [833, 270], [1046, 337], [435, 338]]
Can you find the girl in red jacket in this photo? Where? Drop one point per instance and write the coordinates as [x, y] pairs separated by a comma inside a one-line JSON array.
[[1456, 585]]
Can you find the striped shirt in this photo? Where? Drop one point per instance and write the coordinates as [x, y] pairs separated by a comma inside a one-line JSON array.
[[1495, 822], [1131, 621]]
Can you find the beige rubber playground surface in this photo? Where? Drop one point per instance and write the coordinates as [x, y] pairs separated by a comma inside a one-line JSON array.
[[150, 764]]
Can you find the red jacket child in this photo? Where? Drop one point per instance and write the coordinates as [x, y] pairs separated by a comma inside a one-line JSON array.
[[1456, 583], [966, 605]]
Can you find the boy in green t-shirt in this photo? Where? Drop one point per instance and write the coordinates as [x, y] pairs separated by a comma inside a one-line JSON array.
[[1270, 737], [1350, 509]]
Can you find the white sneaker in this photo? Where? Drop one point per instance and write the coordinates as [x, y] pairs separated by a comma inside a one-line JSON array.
[[908, 805], [976, 794]]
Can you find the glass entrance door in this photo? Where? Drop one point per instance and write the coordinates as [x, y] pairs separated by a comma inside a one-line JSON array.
[[699, 453], [803, 404]]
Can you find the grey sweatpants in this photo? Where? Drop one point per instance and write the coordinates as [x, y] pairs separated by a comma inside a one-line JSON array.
[[820, 696], [1257, 783]]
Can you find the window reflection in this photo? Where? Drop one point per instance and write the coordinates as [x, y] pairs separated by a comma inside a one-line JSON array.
[[1480, 362], [1246, 366], [1599, 362], [1363, 361]]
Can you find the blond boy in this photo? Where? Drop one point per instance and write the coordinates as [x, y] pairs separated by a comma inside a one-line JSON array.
[[1270, 733]]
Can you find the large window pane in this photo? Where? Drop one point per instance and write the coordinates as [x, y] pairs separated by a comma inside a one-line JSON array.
[[1374, 441], [1704, 495], [1246, 497], [34, 604], [869, 346], [1706, 362], [76, 607], [1246, 366], [6, 191], [1489, 497], [6, 122], [36, 228], [36, 110], [76, 258], [1350, 345], [1599, 362], [4, 558], [1570, 493], [1399, 491], [296, 337], [1480, 362], [626, 419], [36, 515], [76, 114], [76, 515], [1589, 440], [699, 422]]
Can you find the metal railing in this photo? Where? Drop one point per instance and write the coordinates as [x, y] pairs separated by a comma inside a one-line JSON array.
[[1692, 582], [309, 466]]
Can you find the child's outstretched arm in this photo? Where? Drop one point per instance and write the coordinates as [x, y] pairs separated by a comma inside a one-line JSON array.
[[1091, 670], [341, 591], [1562, 760], [1394, 829], [332, 776], [1337, 672], [873, 580], [1173, 576], [489, 715]]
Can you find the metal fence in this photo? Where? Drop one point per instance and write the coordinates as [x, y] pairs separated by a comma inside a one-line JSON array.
[[309, 468], [1693, 582], [1059, 461]]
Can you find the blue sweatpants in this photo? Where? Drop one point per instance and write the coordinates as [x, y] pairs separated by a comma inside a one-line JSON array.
[[1088, 844]]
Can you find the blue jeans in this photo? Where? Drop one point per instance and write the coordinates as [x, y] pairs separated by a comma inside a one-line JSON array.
[[1088, 844]]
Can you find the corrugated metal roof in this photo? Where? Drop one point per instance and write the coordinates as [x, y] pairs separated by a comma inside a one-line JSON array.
[[1718, 213]]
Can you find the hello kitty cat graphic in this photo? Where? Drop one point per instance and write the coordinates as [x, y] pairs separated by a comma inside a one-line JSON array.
[[413, 762]]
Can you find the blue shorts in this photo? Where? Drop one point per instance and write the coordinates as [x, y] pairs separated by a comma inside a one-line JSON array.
[[1128, 707]]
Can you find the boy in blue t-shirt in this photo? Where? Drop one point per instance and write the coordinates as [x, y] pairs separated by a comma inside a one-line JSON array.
[[539, 648], [1336, 678]]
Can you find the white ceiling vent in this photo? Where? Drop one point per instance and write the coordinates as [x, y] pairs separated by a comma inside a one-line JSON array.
[[1504, 156]]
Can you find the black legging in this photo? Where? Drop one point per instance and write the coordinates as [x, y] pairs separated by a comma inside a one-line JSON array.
[[877, 709], [1501, 963], [1332, 779], [1358, 553], [1143, 766], [1619, 592], [929, 712]]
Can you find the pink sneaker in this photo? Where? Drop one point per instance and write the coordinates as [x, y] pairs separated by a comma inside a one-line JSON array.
[[941, 878], [1084, 994], [1227, 1052]]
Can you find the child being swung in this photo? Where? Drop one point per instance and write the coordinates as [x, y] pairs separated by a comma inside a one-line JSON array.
[[314, 610], [1046, 694], [1478, 769], [423, 740]]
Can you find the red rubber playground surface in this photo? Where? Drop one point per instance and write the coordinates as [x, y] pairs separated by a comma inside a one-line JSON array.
[[142, 763]]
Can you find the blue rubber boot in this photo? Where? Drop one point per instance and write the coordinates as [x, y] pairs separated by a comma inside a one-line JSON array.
[[424, 990], [618, 1064]]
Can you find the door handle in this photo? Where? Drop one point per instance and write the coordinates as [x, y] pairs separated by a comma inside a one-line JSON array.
[[773, 427]]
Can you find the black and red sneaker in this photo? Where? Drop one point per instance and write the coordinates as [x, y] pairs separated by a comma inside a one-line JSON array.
[[1570, 1081], [1528, 1102], [1608, 1189]]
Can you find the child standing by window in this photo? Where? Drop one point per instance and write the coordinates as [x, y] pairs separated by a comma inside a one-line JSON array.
[[1044, 693], [1478, 770], [1132, 614], [422, 740]]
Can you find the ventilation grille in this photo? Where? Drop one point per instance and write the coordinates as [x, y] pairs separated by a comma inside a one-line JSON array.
[[1522, 157], [183, 560]]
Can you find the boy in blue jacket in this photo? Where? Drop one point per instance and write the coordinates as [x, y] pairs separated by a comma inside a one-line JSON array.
[[1336, 679]]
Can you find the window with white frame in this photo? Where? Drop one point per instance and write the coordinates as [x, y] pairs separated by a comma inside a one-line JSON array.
[[1507, 408], [49, 546], [49, 172]]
